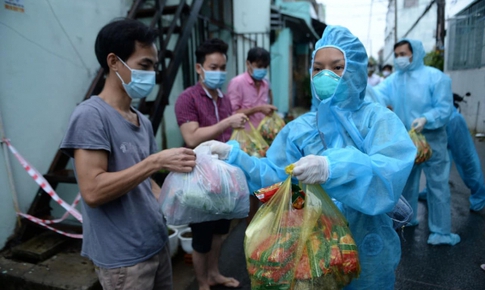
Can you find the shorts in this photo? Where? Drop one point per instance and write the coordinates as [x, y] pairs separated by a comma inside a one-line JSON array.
[[202, 234], [154, 273]]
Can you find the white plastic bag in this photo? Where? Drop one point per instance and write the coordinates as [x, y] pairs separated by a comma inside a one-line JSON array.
[[213, 190]]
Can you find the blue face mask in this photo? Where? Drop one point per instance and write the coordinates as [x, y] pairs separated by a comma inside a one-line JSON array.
[[259, 73], [325, 83], [214, 79], [141, 84], [402, 62]]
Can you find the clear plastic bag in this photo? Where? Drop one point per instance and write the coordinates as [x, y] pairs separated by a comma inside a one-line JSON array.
[[213, 190], [401, 214]]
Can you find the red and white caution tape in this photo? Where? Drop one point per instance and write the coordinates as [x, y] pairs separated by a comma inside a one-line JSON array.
[[40, 222], [56, 221], [44, 184]]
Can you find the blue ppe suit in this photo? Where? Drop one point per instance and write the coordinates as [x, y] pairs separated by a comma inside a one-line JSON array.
[[423, 91], [370, 156], [462, 150]]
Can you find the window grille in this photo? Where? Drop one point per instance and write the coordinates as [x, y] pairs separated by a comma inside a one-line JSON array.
[[466, 32]]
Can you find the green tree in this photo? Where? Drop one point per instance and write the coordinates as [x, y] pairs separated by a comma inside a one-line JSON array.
[[435, 59]]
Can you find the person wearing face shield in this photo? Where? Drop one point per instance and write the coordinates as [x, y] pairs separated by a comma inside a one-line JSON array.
[[422, 98], [358, 151], [204, 113], [115, 154]]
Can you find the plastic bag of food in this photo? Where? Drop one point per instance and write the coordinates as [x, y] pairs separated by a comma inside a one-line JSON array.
[[424, 150], [213, 190], [300, 247], [250, 141], [270, 126]]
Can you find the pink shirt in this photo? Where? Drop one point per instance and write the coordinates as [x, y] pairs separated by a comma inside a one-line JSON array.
[[244, 95]]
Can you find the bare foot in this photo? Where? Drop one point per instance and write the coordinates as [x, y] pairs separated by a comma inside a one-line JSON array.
[[224, 281]]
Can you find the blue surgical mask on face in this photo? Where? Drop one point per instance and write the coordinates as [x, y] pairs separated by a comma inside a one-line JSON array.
[[141, 84], [259, 73], [325, 83], [402, 62], [214, 79]]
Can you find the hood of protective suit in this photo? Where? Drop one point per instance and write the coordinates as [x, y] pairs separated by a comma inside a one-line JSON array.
[[418, 55], [350, 91]]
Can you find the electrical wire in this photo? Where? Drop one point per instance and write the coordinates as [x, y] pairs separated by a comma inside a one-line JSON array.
[[67, 36], [39, 45]]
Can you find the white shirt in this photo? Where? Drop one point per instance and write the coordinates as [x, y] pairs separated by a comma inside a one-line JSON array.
[[373, 80]]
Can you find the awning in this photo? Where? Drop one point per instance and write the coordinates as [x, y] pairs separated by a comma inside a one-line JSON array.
[[297, 17]]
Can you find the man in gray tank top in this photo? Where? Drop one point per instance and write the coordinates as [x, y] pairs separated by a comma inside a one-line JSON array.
[[114, 155]]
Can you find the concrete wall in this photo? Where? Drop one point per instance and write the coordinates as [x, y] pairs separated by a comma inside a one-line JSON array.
[[48, 62], [470, 80], [473, 81]]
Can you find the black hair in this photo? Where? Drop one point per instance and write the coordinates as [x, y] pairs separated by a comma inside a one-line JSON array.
[[403, 42], [388, 66], [258, 54], [120, 37], [210, 46]]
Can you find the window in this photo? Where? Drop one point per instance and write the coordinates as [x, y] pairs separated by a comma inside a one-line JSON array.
[[467, 38]]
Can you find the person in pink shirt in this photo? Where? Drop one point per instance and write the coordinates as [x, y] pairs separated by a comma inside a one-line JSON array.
[[250, 92]]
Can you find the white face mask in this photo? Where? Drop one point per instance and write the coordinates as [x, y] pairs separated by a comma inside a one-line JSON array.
[[402, 62], [386, 73]]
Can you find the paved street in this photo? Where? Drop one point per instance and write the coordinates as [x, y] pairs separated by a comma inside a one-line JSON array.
[[422, 267]]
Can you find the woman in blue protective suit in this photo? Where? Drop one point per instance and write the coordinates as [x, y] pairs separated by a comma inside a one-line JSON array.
[[358, 151]]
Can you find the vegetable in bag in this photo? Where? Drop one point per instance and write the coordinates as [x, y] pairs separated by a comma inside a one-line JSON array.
[[310, 247], [213, 190], [270, 126], [424, 150], [250, 141]]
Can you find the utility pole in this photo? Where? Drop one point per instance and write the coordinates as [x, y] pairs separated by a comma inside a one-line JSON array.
[[440, 25], [395, 21]]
